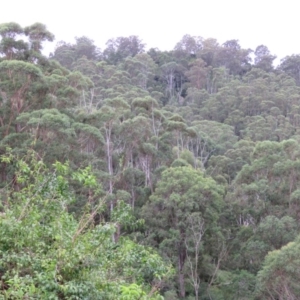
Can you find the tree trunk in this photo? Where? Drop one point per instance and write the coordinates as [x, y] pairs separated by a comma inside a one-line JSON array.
[[109, 162], [181, 260], [181, 285]]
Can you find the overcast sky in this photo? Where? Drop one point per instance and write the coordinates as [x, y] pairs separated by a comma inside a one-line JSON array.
[[162, 23]]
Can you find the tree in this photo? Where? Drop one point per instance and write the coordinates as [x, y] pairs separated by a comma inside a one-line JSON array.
[[263, 58], [210, 52], [64, 53], [38, 33], [109, 116], [232, 161], [197, 74], [137, 134], [210, 138], [233, 57], [172, 74], [182, 192], [68, 54], [141, 69], [119, 48], [86, 47], [278, 279], [267, 185], [189, 45], [9, 46], [17, 82], [291, 66], [271, 234], [193, 243]]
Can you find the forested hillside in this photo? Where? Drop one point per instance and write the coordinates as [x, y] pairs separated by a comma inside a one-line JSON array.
[[134, 174]]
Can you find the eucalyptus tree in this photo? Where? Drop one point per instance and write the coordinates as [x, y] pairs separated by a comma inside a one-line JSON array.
[[263, 58], [137, 133], [141, 69], [178, 127], [121, 47], [20, 83], [181, 193], [272, 233], [197, 74], [38, 33], [232, 161], [210, 52], [279, 276], [10, 48], [109, 118], [267, 185], [291, 66], [85, 47], [234, 58], [68, 54], [210, 138], [189, 45], [50, 132]]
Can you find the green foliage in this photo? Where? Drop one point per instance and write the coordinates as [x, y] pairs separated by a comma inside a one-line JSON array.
[[269, 181], [46, 253], [163, 135], [280, 274], [183, 201]]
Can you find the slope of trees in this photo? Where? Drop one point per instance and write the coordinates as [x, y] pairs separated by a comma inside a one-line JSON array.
[[134, 174]]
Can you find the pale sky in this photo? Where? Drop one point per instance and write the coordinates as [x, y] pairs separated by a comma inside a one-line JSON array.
[[162, 23]]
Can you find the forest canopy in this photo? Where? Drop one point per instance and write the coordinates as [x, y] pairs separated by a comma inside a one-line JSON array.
[[128, 173]]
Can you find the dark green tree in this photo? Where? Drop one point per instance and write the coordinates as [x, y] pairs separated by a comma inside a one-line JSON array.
[[181, 193]]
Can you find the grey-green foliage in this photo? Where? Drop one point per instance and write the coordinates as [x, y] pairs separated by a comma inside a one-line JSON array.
[[279, 275], [182, 191], [272, 233]]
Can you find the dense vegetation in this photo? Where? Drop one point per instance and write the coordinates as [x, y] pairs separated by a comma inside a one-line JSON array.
[[133, 174]]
